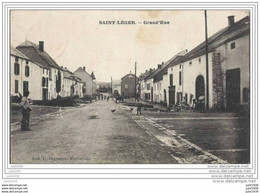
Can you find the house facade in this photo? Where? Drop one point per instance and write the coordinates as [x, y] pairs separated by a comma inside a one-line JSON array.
[[228, 69], [25, 75], [128, 85], [183, 78], [86, 79], [37, 54]]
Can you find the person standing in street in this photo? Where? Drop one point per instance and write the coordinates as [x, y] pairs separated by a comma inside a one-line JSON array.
[[139, 108], [26, 110]]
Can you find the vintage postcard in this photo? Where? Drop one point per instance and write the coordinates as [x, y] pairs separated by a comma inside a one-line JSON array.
[[135, 90]]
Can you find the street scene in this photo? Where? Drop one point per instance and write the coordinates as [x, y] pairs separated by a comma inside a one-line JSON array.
[[98, 135], [140, 91]]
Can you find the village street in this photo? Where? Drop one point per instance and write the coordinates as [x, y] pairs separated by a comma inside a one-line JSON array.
[[93, 134]]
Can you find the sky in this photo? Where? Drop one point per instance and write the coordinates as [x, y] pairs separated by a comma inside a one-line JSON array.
[[76, 38]]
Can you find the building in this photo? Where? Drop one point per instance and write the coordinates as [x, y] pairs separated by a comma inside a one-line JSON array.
[[228, 72], [87, 79], [73, 85], [162, 82], [37, 54], [128, 85], [143, 89], [26, 75]]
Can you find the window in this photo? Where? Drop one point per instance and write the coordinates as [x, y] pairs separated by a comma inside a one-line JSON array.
[[180, 67], [27, 71], [43, 82], [16, 86], [233, 45], [27, 62], [199, 60], [47, 82], [43, 70], [126, 86], [50, 75], [180, 78], [16, 59], [171, 79], [25, 86], [190, 63], [16, 68], [148, 86]]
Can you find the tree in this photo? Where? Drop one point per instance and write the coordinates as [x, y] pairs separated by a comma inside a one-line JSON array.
[[58, 83]]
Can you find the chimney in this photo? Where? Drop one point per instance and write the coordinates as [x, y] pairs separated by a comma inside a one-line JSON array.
[[231, 20], [159, 66], [41, 46], [84, 68]]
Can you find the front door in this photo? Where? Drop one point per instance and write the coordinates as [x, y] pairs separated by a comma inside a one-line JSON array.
[[171, 95], [233, 89], [44, 93]]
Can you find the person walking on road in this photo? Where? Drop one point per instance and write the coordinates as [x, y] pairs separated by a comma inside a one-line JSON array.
[[139, 108], [26, 110]]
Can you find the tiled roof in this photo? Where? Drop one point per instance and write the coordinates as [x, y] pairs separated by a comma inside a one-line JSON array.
[[36, 55]]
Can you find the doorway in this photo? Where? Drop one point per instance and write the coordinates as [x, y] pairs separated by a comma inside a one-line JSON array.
[[233, 89], [200, 87]]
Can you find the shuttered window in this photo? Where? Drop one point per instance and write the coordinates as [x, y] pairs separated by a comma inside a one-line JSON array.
[[16, 68], [27, 71]]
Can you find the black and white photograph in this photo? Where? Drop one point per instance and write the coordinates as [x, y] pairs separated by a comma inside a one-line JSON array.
[[130, 91], [130, 87]]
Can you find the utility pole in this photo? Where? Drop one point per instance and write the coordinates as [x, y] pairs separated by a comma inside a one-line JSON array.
[[207, 62], [135, 80]]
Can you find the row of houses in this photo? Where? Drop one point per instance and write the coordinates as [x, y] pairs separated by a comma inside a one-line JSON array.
[[183, 77], [33, 69]]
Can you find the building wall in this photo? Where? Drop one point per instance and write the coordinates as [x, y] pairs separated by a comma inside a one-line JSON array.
[[189, 71], [52, 83], [87, 79], [128, 86], [236, 58], [67, 86], [34, 79]]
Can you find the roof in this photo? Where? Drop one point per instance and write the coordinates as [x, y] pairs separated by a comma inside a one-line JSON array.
[[31, 50], [80, 69], [130, 74], [16, 52], [163, 70], [223, 36], [146, 74]]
